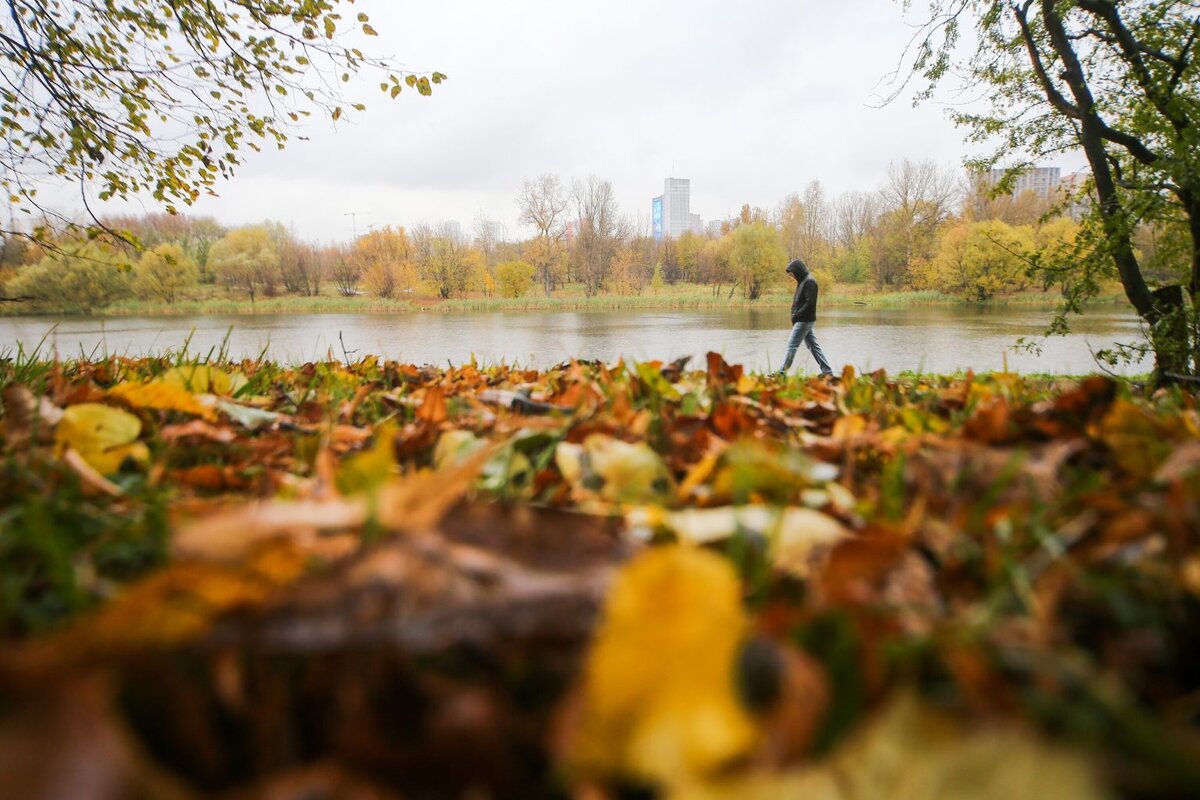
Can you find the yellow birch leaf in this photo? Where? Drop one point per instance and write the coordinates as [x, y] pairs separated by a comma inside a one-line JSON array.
[[104, 436]]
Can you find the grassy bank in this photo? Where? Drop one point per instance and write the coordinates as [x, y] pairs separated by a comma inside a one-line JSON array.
[[211, 301]]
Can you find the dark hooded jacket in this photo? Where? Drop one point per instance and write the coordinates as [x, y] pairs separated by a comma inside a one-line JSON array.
[[804, 302]]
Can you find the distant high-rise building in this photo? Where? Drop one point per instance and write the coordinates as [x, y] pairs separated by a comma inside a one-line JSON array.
[[1078, 203], [670, 212], [1042, 181]]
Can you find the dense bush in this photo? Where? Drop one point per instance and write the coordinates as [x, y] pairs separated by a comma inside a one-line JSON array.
[[163, 272], [514, 278], [79, 277]]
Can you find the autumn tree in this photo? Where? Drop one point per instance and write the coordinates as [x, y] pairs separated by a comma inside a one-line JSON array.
[[343, 269], [301, 267], [1057, 251], [748, 215], [165, 97], [986, 200], [687, 255], [918, 197], [977, 260], [805, 226], [514, 278], [543, 205], [165, 271], [601, 231], [385, 261], [147, 231], [246, 260], [714, 262], [487, 237], [1117, 80], [757, 257], [444, 261], [855, 217]]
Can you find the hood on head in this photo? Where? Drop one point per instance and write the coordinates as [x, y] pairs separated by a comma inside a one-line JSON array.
[[798, 270]]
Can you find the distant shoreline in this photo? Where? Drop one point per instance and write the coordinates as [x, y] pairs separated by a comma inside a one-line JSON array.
[[672, 298]]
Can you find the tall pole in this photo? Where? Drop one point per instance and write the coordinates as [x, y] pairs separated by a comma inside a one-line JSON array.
[[353, 215]]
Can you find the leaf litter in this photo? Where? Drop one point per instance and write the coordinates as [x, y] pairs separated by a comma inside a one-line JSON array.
[[381, 580]]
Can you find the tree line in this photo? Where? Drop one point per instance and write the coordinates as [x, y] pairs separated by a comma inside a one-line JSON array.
[[924, 228]]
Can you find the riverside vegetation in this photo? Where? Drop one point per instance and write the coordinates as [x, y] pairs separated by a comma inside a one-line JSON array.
[[248, 580], [920, 238]]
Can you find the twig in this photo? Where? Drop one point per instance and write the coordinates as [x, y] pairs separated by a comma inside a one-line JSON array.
[[345, 353]]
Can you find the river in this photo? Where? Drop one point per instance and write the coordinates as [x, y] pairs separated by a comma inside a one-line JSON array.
[[931, 339]]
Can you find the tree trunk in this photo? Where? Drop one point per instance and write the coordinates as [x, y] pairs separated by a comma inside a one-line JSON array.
[[1194, 285], [1169, 333], [1117, 230]]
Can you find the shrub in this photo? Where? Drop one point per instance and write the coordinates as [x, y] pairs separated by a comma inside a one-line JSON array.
[[81, 277], [164, 271], [514, 278]]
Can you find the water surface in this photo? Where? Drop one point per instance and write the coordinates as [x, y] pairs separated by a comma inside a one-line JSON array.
[[934, 339]]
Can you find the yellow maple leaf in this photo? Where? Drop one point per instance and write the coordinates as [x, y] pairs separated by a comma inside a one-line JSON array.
[[659, 700], [104, 436], [162, 395]]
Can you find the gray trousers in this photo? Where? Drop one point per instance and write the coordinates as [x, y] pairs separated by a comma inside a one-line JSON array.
[[803, 332]]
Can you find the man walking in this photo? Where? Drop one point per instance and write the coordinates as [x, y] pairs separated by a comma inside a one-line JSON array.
[[804, 316]]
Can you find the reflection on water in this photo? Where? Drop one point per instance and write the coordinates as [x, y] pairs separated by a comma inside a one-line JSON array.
[[929, 339]]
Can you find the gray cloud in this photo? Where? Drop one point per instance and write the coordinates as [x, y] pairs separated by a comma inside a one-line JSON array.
[[750, 101]]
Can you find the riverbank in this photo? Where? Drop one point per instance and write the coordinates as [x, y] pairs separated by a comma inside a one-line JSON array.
[[211, 301]]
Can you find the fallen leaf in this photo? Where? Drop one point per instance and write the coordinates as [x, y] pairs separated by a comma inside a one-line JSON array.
[[102, 435], [795, 535], [197, 429], [615, 470], [204, 379], [911, 752], [658, 698], [160, 395], [371, 468], [247, 417]]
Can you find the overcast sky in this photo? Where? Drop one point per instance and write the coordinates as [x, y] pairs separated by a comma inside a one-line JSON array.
[[751, 101]]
